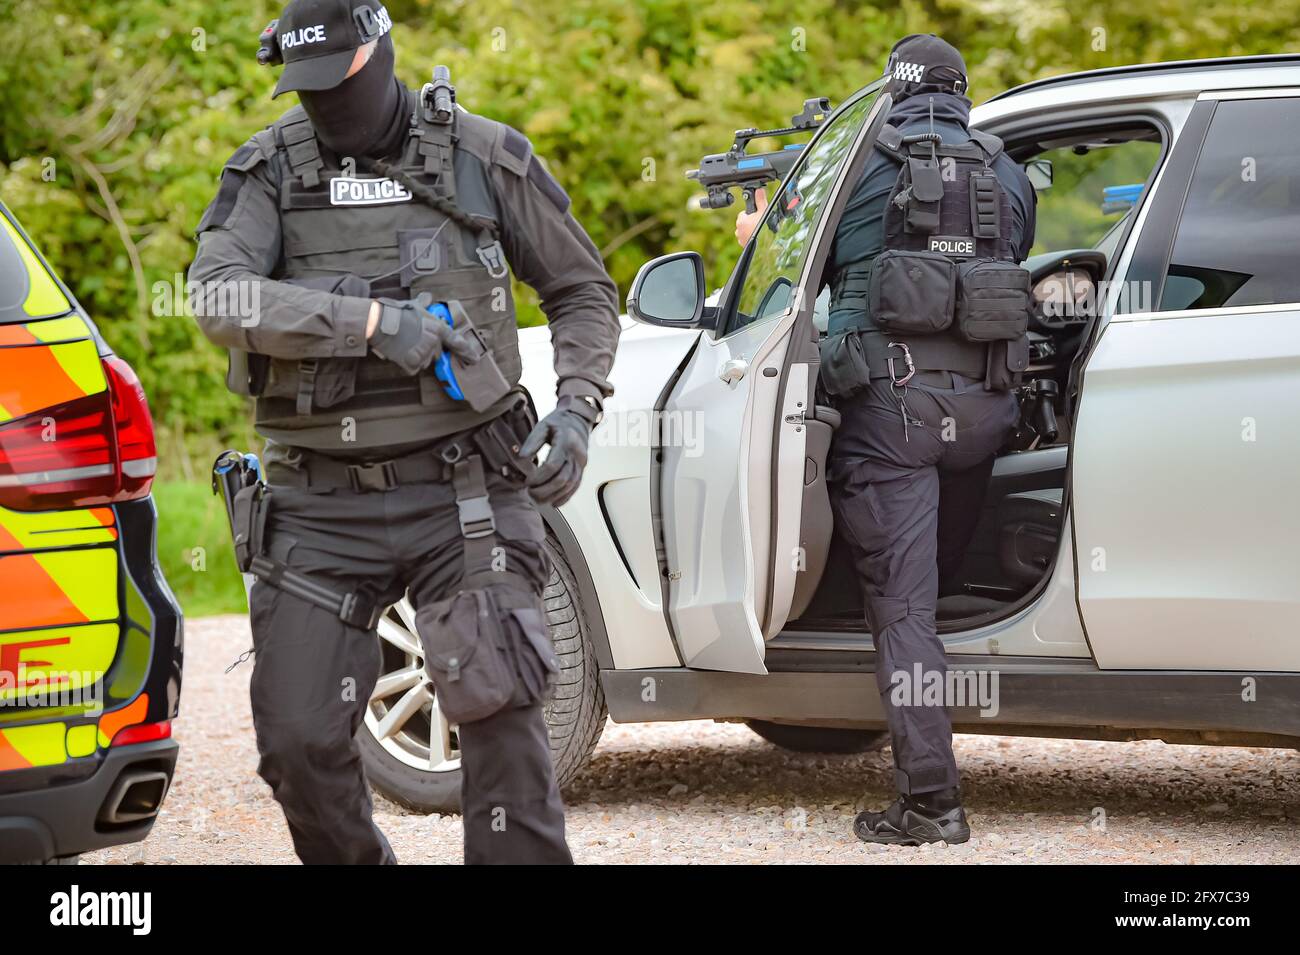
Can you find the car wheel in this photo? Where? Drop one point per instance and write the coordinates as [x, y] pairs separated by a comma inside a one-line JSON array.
[[819, 739], [412, 754]]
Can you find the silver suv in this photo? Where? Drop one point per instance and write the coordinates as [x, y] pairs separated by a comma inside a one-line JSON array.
[[1135, 570]]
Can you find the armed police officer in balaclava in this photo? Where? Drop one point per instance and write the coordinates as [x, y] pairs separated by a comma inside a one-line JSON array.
[[380, 228], [925, 339]]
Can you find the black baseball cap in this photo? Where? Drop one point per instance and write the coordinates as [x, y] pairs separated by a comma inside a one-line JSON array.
[[319, 38], [926, 58]]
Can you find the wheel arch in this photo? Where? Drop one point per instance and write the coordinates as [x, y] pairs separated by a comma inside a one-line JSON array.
[[591, 610]]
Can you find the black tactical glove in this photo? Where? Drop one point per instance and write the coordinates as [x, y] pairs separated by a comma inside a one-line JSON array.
[[567, 430], [411, 338]]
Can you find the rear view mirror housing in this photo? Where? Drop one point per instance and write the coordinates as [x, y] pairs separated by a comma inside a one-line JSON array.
[[669, 292], [1039, 172]]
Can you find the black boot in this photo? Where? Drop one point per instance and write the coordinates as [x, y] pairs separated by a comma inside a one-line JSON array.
[[912, 820]]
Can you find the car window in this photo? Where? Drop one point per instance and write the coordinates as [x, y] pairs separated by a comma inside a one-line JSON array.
[[770, 269], [27, 290], [1236, 239], [1095, 186]]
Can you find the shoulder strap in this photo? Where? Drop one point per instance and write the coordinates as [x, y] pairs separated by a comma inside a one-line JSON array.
[[990, 144]]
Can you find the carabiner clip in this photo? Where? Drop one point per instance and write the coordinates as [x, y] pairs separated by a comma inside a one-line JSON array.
[[907, 359]]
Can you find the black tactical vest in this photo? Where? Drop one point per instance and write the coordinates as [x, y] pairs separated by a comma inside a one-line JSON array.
[[945, 285], [338, 219]]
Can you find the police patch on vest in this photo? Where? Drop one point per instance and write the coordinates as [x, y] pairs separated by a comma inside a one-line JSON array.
[[954, 245], [346, 191]]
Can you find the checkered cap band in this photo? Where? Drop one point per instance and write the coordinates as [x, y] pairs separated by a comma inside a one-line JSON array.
[[908, 72]]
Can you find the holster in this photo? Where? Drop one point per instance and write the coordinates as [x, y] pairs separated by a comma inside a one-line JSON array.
[[479, 377], [237, 478], [248, 524]]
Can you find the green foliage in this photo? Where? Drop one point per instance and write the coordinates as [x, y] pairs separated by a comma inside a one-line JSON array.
[[1070, 213], [139, 104], [194, 548]]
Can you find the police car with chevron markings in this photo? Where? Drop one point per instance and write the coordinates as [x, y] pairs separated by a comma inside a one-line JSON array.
[[90, 634]]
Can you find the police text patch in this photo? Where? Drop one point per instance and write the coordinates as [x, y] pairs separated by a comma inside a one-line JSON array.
[[954, 245], [345, 191]]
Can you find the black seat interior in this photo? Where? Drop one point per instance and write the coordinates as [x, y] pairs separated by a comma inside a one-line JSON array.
[[1029, 530], [1014, 543]]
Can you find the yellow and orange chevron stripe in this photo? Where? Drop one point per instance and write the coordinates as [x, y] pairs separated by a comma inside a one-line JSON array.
[[59, 610]]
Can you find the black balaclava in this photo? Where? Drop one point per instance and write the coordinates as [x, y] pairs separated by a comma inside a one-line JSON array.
[[365, 115]]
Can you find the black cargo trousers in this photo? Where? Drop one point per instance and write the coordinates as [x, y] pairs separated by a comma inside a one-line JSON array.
[[313, 675], [906, 500]]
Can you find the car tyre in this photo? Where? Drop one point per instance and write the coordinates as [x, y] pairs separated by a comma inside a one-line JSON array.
[[400, 766]]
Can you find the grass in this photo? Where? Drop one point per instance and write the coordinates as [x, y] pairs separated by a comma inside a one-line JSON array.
[[195, 550]]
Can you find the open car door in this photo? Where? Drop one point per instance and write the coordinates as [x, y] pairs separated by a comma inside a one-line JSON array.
[[734, 434]]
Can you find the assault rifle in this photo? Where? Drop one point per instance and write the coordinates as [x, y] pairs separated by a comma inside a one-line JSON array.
[[722, 172]]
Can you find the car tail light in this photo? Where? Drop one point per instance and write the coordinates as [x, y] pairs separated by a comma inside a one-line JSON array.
[[90, 451], [142, 733]]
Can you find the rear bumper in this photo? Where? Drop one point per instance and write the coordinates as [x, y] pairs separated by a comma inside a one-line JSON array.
[[63, 820]]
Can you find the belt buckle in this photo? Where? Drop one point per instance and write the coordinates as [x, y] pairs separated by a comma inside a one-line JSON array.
[[907, 359], [380, 476], [476, 518]]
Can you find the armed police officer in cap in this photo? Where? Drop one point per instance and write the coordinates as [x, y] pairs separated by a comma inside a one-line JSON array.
[[925, 340], [379, 227]]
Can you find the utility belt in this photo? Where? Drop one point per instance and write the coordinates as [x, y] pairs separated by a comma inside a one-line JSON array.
[[922, 311], [463, 458]]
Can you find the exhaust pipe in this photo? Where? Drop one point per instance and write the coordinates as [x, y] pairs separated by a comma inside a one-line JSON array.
[[137, 795]]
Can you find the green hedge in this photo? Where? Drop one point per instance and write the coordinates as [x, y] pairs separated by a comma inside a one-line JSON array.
[[194, 549], [116, 117]]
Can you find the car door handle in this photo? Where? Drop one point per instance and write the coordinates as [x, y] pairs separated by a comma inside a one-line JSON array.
[[733, 370]]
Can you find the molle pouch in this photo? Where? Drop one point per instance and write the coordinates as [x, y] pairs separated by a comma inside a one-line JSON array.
[[992, 300], [336, 381], [313, 383], [1007, 361], [424, 252], [844, 370], [319, 382], [530, 644], [464, 639], [922, 209], [912, 293]]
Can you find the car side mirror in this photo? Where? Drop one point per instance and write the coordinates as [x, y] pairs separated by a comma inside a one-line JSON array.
[[669, 291], [1039, 173]]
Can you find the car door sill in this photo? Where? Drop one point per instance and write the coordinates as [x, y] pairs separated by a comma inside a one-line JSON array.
[[1034, 696]]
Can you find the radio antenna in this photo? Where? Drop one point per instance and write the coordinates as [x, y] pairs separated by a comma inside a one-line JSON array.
[[934, 156]]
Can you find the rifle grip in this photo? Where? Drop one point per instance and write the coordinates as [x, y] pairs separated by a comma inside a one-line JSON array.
[[750, 205]]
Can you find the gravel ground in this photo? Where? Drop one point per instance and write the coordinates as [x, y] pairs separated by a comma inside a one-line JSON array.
[[713, 792]]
